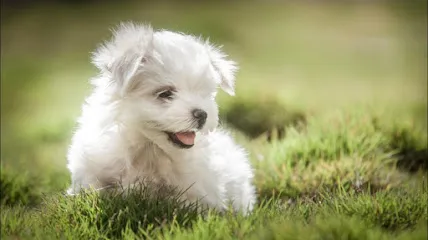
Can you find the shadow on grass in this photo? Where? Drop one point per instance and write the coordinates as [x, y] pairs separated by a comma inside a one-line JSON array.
[[411, 152], [409, 156], [413, 161], [261, 117]]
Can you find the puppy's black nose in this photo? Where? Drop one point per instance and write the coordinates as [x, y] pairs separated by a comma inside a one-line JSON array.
[[200, 116]]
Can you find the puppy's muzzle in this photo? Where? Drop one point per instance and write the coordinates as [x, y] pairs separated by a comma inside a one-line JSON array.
[[200, 116]]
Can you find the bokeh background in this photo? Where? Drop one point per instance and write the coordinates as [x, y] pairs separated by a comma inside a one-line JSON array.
[[297, 58]]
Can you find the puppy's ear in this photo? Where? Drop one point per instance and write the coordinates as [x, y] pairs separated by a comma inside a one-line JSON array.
[[225, 68], [121, 57]]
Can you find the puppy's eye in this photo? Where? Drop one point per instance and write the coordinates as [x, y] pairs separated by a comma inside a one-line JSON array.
[[166, 94]]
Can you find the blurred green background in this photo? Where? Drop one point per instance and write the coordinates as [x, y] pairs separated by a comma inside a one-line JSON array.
[[307, 56]]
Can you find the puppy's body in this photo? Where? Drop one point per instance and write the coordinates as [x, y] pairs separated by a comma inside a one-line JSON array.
[[153, 116]]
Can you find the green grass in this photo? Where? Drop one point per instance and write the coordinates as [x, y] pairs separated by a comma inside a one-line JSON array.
[[331, 106]]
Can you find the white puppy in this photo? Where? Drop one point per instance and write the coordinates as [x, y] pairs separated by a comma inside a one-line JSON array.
[[153, 115]]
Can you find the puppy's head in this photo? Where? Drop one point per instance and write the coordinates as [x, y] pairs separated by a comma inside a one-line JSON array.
[[165, 83]]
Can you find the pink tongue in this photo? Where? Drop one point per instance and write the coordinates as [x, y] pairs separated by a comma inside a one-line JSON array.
[[187, 138]]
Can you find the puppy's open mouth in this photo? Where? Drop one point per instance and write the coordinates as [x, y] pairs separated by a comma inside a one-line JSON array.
[[182, 139]]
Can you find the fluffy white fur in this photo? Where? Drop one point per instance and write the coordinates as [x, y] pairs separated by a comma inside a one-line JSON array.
[[121, 134]]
